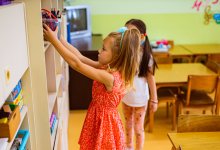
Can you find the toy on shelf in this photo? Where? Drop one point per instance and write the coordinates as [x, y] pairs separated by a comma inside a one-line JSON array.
[[161, 45]]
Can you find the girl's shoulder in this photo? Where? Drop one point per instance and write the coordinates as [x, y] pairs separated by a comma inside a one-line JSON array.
[[118, 82], [116, 74]]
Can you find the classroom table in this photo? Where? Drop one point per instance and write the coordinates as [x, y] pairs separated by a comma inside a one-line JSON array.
[[195, 140], [199, 50], [175, 75], [178, 51]]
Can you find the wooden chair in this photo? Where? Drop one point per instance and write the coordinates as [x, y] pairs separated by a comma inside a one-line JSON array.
[[214, 57], [214, 66], [198, 123], [197, 95], [165, 94], [168, 95]]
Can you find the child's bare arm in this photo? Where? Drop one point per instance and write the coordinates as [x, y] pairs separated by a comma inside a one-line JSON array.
[[153, 90], [95, 74], [78, 54]]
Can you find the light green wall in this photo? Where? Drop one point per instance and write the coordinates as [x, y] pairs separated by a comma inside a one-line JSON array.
[[175, 20]]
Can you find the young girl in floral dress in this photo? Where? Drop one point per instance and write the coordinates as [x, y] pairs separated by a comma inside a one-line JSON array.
[[114, 71]]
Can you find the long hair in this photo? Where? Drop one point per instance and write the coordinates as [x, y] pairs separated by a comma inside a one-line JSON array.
[[147, 50], [125, 54]]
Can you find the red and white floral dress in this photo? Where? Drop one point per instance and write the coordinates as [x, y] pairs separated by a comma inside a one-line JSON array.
[[103, 129]]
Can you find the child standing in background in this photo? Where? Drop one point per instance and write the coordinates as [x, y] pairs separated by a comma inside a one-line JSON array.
[[135, 101], [115, 70]]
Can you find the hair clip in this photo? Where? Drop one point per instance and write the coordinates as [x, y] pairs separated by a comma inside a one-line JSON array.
[[122, 31]]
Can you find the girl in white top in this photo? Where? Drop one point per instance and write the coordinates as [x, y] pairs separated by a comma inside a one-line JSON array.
[[135, 101]]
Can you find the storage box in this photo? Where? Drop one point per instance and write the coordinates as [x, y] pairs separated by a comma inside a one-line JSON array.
[[9, 129], [52, 23], [24, 134]]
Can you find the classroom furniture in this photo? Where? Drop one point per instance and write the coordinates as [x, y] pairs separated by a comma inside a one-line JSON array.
[[176, 75], [198, 123], [196, 95], [202, 50], [44, 74], [214, 57], [162, 57], [178, 52], [214, 66], [166, 95], [80, 98], [195, 140]]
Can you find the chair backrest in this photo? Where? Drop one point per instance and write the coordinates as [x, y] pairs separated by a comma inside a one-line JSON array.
[[204, 83], [163, 58], [214, 66], [198, 123], [214, 57]]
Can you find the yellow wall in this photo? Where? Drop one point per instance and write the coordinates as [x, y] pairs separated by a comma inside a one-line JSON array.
[[171, 19]]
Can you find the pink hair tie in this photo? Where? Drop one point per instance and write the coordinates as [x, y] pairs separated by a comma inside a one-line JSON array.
[[145, 34]]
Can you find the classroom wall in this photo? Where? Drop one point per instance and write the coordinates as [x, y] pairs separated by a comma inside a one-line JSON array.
[[170, 19]]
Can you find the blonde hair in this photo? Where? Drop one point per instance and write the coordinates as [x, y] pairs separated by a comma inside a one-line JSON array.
[[125, 51]]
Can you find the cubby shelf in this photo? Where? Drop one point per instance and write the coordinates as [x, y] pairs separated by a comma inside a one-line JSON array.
[[46, 45], [54, 133], [23, 114], [52, 101]]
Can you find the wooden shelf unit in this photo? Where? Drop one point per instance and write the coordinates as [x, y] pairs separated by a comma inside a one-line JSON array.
[[44, 74]]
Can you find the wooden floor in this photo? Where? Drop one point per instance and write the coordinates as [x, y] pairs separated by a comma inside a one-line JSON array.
[[158, 140]]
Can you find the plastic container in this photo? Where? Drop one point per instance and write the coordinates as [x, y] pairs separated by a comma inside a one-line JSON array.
[[25, 135], [5, 2], [52, 23], [50, 20]]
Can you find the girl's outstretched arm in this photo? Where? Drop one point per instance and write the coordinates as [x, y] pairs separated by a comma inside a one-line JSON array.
[[78, 54], [93, 73]]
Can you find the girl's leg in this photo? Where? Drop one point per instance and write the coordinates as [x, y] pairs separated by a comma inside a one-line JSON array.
[[139, 115], [129, 132]]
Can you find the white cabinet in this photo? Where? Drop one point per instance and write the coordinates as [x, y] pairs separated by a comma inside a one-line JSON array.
[[13, 47], [1, 90], [14, 63]]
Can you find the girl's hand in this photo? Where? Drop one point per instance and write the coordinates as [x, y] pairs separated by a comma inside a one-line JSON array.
[[153, 105], [50, 35]]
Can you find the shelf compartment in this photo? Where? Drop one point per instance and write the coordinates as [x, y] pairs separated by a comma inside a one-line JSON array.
[[58, 141], [54, 133], [46, 4], [50, 69], [58, 63], [60, 88], [23, 114], [46, 45], [65, 79], [52, 96], [55, 4], [2, 101]]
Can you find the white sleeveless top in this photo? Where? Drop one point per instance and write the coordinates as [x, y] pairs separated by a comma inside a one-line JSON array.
[[138, 96]]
